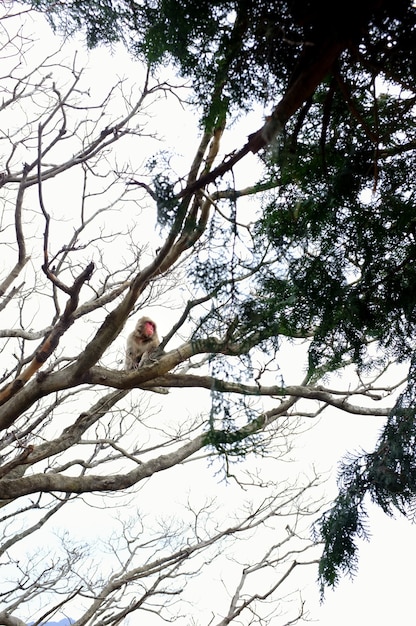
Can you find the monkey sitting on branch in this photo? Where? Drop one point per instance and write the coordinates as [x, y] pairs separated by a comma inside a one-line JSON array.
[[141, 343]]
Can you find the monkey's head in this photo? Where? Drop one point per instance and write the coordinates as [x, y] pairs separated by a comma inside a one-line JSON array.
[[146, 327]]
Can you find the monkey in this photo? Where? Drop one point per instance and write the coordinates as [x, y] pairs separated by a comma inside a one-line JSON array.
[[140, 343]]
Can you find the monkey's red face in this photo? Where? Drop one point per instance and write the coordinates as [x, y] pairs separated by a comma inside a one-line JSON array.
[[148, 329]]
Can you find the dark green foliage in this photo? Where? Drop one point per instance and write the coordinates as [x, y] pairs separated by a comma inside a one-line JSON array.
[[387, 476], [224, 434], [163, 189], [102, 20], [166, 200], [347, 250], [235, 52], [339, 528], [230, 417], [229, 60], [392, 467], [242, 51]]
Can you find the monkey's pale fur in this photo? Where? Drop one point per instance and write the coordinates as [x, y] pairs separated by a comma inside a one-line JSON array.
[[143, 340]]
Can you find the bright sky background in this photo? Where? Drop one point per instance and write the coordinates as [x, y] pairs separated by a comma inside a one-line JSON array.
[[382, 591]]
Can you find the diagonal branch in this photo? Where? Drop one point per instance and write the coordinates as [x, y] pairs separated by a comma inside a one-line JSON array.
[[50, 343], [308, 79]]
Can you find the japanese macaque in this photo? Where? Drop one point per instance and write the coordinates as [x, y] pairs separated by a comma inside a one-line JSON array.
[[140, 343]]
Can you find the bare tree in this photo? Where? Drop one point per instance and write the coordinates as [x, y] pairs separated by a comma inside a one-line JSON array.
[[83, 441]]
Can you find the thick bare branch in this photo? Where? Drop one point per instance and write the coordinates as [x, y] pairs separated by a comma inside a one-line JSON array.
[[52, 340], [9, 620], [15, 488]]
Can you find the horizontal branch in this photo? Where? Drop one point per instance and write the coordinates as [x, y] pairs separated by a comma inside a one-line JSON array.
[[295, 391], [337, 399], [70, 377], [21, 333], [51, 482], [157, 374]]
